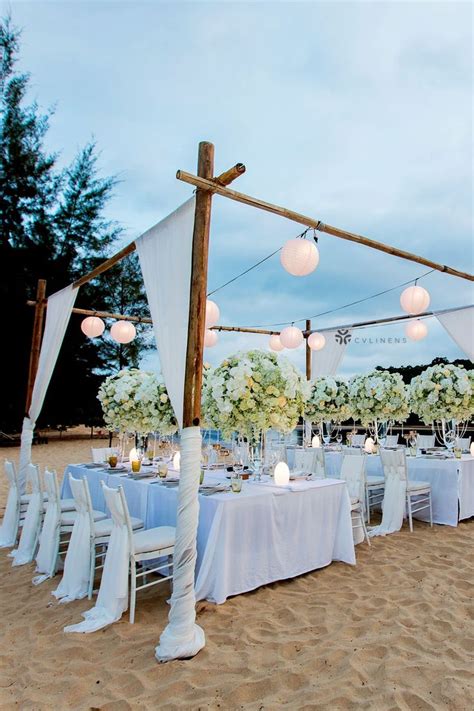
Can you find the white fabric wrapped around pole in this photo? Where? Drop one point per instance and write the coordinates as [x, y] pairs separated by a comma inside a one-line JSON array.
[[58, 313], [182, 637], [165, 253], [327, 360], [459, 324], [11, 516]]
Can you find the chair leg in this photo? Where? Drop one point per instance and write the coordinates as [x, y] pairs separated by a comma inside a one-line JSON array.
[[431, 511], [133, 589], [410, 519], [170, 569], [367, 492], [366, 535], [91, 571]]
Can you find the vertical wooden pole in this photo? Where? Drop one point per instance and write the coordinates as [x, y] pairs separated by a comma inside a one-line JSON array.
[[36, 340], [197, 301], [308, 350]]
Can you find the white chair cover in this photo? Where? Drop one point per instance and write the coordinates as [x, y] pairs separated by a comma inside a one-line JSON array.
[[393, 506], [75, 580], [101, 454], [425, 441], [47, 555], [353, 473], [463, 442], [311, 460], [357, 440], [391, 440], [31, 525], [112, 600], [9, 527]]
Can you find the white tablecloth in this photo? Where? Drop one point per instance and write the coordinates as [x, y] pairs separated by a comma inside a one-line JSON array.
[[452, 483], [249, 539]]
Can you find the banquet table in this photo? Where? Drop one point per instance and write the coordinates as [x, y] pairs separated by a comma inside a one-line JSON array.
[[264, 534], [452, 483]]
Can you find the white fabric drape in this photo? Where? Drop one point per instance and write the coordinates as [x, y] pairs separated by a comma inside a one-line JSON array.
[[460, 326], [47, 555], [328, 359], [58, 314], [75, 580], [112, 600], [183, 637], [30, 531], [9, 527], [394, 500], [165, 253]]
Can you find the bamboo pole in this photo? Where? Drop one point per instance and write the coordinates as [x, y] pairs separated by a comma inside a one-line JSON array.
[[105, 314], [197, 300], [214, 187], [308, 349], [40, 306]]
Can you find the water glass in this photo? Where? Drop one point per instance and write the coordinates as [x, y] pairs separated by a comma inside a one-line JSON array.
[[457, 452], [236, 483], [163, 470]]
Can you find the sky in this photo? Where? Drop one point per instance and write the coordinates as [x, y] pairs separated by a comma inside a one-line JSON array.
[[355, 113]]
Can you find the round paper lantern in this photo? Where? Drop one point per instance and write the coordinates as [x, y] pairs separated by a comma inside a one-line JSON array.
[[316, 341], [281, 474], [212, 313], [123, 331], [210, 338], [414, 300], [275, 343], [291, 337], [416, 330], [299, 256], [92, 326]]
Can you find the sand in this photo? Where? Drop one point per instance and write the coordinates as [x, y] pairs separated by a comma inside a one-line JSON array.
[[395, 632]]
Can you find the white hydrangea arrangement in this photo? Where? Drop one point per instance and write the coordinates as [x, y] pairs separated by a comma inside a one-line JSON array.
[[254, 391], [136, 401], [443, 392], [329, 400], [378, 396]]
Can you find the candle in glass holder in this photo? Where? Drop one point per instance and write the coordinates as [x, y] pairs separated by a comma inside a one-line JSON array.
[[136, 465], [113, 459], [369, 445]]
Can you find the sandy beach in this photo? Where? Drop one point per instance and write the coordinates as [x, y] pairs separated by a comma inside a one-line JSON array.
[[395, 632]]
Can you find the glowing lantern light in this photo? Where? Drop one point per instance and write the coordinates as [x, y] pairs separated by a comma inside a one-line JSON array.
[[275, 343], [212, 313], [414, 300], [123, 331], [281, 474], [472, 449], [315, 442], [92, 326], [210, 338], [177, 461], [316, 341], [299, 257], [416, 330], [291, 337], [369, 445]]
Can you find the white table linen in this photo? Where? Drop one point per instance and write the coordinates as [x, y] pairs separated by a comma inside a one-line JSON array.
[[245, 540]]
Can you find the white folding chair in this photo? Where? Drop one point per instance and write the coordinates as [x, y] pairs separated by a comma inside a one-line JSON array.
[[357, 440], [311, 461], [31, 525], [353, 473], [391, 441], [425, 441], [418, 493], [142, 546], [11, 516], [101, 454], [463, 443]]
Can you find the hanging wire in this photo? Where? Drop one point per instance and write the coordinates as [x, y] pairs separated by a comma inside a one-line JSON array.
[[254, 266]]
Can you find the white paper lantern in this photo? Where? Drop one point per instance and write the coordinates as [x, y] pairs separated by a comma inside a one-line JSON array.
[[123, 331], [133, 455], [299, 256], [212, 313], [315, 442], [92, 326], [281, 474], [275, 343], [291, 337], [369, 445], [414, 300], [316, 341], [177, 461], [210, 338], [416, 330]]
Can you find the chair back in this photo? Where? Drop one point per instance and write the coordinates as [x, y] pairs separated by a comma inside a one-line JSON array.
[[391, 440], [353, 473], [425, 441], [101, 454], [311, 460], [357, 440], [394, 464], [117, 505], [463, 443], [52, 487], [10, 471], [33, 475]]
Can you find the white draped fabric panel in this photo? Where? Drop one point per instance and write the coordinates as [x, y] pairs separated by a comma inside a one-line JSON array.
[[11, 516], [47, 554], [394, 500], [58, 314], [165, 253], [460, 326], [328, 360], [30, 530]]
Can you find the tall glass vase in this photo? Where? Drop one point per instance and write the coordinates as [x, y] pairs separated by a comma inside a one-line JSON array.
[[257, 453], [326, 430]]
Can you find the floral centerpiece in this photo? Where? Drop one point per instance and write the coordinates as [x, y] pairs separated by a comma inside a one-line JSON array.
[[443, 392], [252, 392], [329, 400], [378, 397], [136, 401]]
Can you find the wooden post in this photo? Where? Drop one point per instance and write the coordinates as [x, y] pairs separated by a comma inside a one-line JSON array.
[[197, 299], [308, 350], [36, 340]]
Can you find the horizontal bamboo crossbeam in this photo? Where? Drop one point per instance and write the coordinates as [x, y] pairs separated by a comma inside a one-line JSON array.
[[244, 329], [215, 187]]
